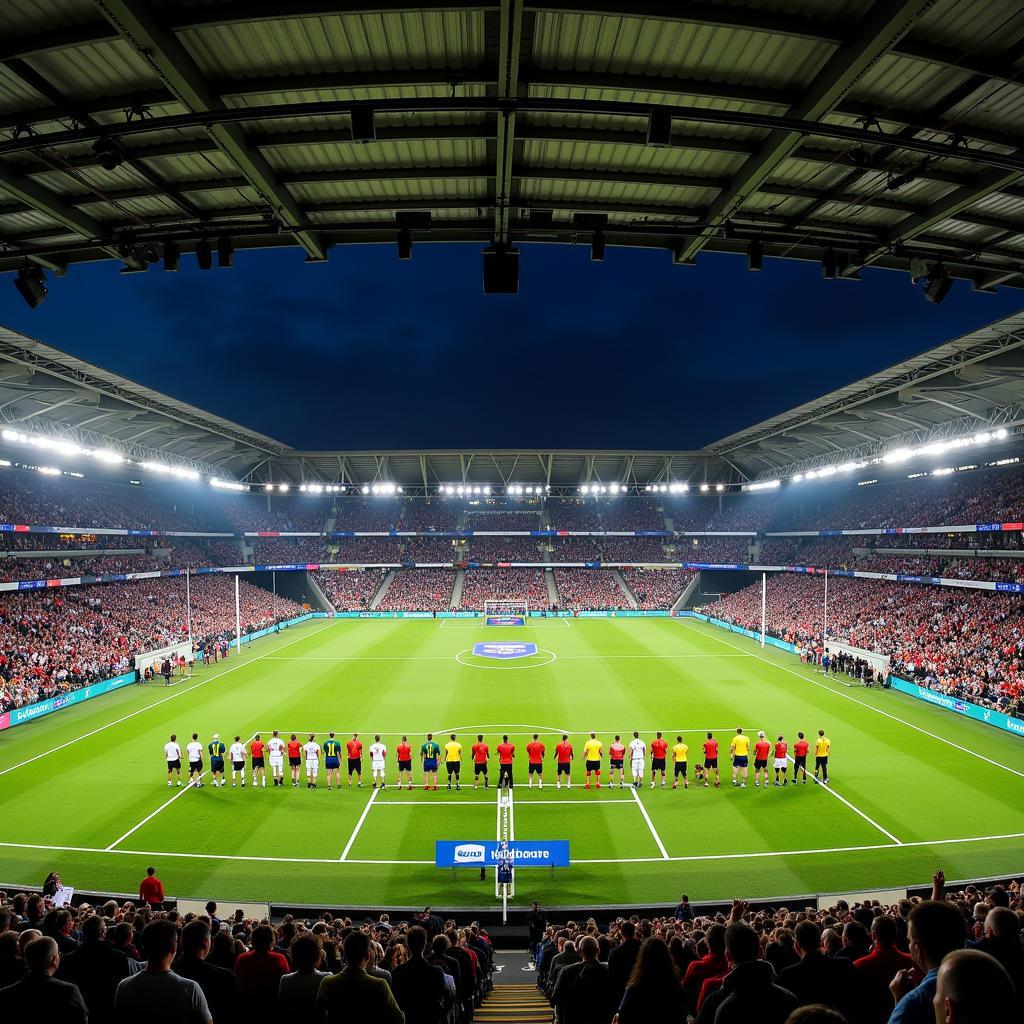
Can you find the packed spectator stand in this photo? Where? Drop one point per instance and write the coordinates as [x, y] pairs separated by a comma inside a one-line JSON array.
[[588, 589], [656, 589], [481, 585], [419, 590], [349, 591]]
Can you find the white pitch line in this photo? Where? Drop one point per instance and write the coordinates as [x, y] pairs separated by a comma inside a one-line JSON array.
[[870, 707], [167, 803], [650, 824], [149, 707], [359, 825], [448, 657], [597, 802], [613, 860]]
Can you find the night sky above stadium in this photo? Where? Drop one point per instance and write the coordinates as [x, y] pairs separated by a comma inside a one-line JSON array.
[[366, 352]]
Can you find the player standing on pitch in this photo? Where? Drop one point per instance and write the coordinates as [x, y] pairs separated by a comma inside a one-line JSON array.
[[430, 751], [679, 754], [354, 749], [195, 761], [237, 756], [637, 759], [256, 753], [312, 752], [659, 751], [453, 761], [481, 752], [216, 750], [506, 755], [172, 754], [276, 748], [740, 750], [295, 759], [616, 758], [800, 749], [592, 751], [332, 760], [534, 762], [711, 761], [822, 747], [762, 748], [781, 749], [378, 754], [404, 753], [563, 759]]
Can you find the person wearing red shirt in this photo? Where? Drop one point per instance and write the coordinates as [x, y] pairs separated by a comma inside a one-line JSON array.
[[711, 765], [258, 767], [151, 890], [659, 751], [714, 965], [781, 749], [535, 761], [563, 757], [355, 758], [294, 758], [506, 753], [800, 749], [762, 748], [875, 971], [616, 758], [259, 971], [481, 752], [404, 753]]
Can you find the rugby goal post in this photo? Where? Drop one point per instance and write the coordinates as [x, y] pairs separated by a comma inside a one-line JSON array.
[[508, 612]]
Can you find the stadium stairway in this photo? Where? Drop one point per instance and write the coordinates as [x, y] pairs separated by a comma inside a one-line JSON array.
[[379, 596], [513, 1004], [624, 587]]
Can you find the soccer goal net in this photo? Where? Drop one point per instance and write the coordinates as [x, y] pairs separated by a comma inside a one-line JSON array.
[[855, 666], [506, 613]]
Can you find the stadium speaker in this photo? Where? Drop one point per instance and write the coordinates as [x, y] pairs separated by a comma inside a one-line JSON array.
[[109, 154], [659, 128], [597, 247], [939, 283], [31, 285], [755, 255], [363, 127], [829, 264], [225, 252], [501, 271], [204, 254], [404, 244], [172, 255]]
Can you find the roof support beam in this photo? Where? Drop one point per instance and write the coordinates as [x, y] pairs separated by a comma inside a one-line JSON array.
[[510, 33], [886, 23], [136, 23]]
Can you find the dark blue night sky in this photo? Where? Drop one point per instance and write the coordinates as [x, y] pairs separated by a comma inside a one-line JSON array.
[[366, 352]]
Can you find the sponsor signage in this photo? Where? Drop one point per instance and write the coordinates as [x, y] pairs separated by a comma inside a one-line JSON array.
[[29, 713], [990, 716], [504, 651], [488, 853]]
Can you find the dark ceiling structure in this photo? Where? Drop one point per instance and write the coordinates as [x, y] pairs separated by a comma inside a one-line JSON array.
[[849, 133]]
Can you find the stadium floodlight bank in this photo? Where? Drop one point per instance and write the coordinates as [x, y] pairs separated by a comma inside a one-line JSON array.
[[506, 612]]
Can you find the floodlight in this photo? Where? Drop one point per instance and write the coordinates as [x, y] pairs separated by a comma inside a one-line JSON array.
[[939, 283], [918, 270], [204, 255], [31, 285], [703, 487], [282, 487], [719, 487], [109, 154], [225, 252], [172, 255]]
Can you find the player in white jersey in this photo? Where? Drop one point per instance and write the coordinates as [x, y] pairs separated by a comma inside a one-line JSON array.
[[194, 750], [275, 750], [637, 755], [236, 755], [172, 752], [312, 752], [378, 752]]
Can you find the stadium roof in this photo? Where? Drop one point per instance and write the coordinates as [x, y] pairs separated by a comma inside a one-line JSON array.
[[973, 383], [810, 128]]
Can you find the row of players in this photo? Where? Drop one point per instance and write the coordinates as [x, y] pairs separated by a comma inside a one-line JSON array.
[[311, 751]]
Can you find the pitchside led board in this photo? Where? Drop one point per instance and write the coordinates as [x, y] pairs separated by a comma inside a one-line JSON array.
[[505, 620], [489, 854]]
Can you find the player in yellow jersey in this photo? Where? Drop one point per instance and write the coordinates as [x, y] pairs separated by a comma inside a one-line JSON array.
[[822, 747], [453, 760], [592, 751], [740, 750], [680, 751]]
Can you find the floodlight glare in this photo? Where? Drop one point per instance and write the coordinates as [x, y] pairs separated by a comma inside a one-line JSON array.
[[703, 487]]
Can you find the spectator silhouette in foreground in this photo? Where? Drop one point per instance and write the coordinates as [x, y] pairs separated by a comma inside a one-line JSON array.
[[972, 987], [749, 991], [354, 995], [934, 929], [419, 985], [39, 995], [654, 990], [818, 978], [220, 986], [583, 993], [874, 973], [97, 968]]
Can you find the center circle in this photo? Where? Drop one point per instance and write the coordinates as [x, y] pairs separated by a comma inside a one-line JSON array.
[[505, 666]]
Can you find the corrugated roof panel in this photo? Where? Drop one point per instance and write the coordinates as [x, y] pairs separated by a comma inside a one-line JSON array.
[[973, 24], [414, 90], [192, 166], [15, 95], [382, 189], [681, 49], [233, 197], [1000, 204], [957, 230], [615, 192], [410, 39], [430, 153], [149, 206], [895, 82], [997, 105], [28, 221], [101, 69], [21, 17], [607, 156], [647, 98], [843, 212], [378, 216]]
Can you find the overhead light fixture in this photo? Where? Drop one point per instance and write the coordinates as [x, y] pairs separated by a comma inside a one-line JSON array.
[[501, 270], [597, 247], [918, 270], [172, 256], [225, 252], [404, 244], [938, 285], [703, 487], [149, 253], [109, 154], [755, 255], [829, 263], [659, 128], [204, 254], [31, 285]]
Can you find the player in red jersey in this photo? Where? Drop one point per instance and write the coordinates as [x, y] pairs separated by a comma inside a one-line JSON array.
[[506, 754], [563, 757], [534, 761], [355, 759], [256, 753], [711, 761], [616, 758], [404, 753], [762, 748], [659, 751], [294, 758], [781, 749], [481, 752], [800, 749]]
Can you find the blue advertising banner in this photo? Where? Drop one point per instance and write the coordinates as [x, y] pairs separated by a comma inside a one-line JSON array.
[[504, 651], [489, 853], [962, 707], [17, 716]]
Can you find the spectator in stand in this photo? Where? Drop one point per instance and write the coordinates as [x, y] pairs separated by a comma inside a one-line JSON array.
[[584, 992], [1002, 939], [419, 590], [749, 991], [39, 995], [874, 972], [297, 992], [622, 959], [156, 994], [353, 995], [220, 986], [259, 972], [97, 968], [151, 890], [818, 978], [419, 985], [654, 988], [972, 986], [713, 964]]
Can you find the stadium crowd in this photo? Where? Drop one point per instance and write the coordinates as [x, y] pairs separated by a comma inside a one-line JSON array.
[[290, 551], [589, 589], [481, 585], [502, 549], [968, 643], [349, 591], [413, 590], [656, 588]]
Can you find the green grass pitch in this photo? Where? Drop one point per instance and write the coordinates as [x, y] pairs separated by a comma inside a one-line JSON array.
[[914, 788]]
